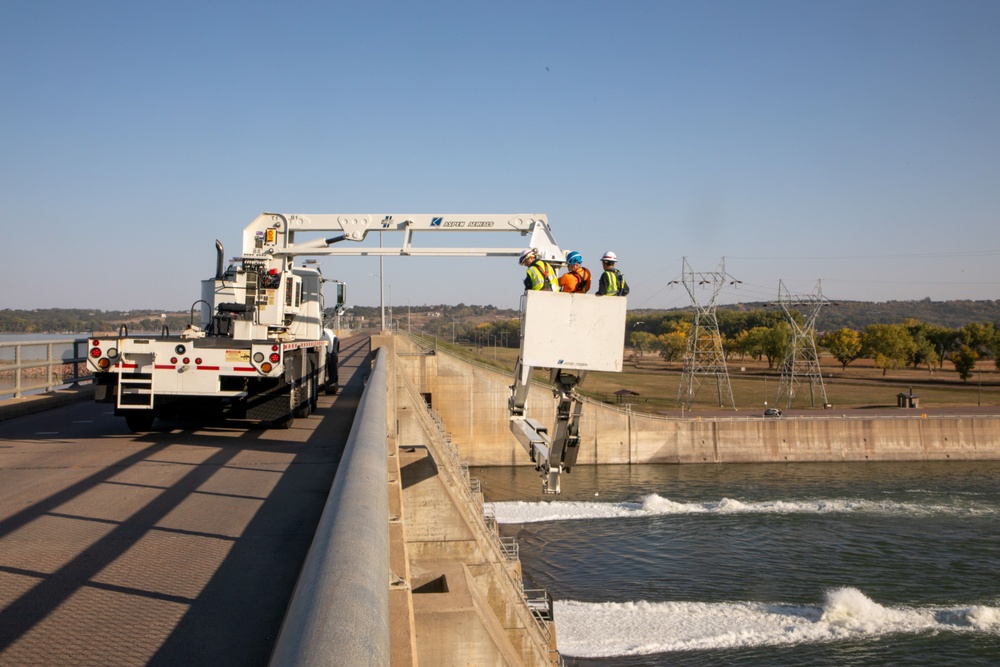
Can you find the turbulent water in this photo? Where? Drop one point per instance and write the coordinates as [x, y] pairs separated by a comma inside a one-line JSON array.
[[786, 565]]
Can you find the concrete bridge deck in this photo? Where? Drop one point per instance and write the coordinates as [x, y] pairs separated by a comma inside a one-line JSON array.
[[180, 546]]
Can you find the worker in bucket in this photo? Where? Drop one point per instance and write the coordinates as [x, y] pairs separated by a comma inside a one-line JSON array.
[[540, 275], [576, 278], [612, 281]]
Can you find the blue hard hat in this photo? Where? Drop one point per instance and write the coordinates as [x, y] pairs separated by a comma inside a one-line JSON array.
[[574, 258]]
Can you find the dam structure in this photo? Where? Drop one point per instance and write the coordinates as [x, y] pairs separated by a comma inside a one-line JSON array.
[[458, 596], [472, 401], [450, 413]]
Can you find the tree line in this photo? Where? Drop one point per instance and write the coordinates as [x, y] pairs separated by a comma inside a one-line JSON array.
[[755, 333], [84, 321], [760, 334], [473, 325]]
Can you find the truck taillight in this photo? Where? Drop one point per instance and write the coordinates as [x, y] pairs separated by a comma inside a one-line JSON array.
[[96, 352], [275, 357]]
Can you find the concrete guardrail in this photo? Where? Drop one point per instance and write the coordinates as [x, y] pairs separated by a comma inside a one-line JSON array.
[[339, 612]]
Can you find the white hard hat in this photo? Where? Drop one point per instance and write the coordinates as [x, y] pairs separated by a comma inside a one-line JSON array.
[[609, 256], [526, 254]]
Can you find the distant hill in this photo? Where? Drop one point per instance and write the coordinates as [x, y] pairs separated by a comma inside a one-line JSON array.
[[952, 314], [852, 314], [85, 320], [859, 314]]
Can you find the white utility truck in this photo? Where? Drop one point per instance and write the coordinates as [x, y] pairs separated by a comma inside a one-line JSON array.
[[259, 350]]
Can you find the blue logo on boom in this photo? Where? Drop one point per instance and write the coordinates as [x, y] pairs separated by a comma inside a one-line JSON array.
[[436, 222]]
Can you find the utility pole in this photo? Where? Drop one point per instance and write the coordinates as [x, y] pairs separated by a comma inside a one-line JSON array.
[[801, 357], [381, 282], [704, 356]]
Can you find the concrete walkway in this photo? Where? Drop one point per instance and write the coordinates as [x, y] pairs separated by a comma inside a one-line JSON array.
[[27, 405]]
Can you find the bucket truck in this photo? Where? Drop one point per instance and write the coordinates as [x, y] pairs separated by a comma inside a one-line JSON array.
[[259, 350]]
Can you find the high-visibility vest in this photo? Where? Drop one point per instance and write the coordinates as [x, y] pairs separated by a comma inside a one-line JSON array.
[[542, 277], [613, 284]]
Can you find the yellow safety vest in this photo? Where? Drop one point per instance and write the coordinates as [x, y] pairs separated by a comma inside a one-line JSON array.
[[613, 284], [542, 277]]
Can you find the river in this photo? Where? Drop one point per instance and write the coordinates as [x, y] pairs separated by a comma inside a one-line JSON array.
[[769, 564]]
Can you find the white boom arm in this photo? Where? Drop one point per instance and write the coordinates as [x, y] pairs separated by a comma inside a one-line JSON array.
[[278, 234]]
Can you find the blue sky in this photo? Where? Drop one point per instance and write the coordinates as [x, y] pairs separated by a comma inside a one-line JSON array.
[[853, 142]]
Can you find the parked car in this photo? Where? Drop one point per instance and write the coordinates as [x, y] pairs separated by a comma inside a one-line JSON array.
[[772, 412]]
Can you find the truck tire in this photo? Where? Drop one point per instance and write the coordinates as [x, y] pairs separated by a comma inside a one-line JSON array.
[[287, 419], [301, 401], [333, 373], [313, 388], [139, 422]]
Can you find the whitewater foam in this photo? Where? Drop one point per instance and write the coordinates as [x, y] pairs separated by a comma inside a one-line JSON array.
[[654, 505], [608, 629]]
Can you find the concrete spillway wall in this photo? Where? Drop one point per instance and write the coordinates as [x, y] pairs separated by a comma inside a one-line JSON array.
[[458, 597], [472, 401]]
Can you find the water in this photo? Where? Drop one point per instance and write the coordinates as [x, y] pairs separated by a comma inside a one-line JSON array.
[[785, 565]]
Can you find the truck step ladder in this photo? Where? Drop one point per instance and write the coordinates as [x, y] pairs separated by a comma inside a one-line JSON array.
[[135, 391]]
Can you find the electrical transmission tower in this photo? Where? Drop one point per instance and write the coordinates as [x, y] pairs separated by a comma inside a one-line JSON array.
[[801, 359], [704, 355]]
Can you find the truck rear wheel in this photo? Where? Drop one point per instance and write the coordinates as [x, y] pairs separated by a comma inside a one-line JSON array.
[[301, 399], [284, 422], [332, 372], [313, 389], [139, 422], [287, 419]]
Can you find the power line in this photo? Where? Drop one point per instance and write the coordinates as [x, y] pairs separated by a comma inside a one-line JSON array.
[[801, 358], [918, 255]]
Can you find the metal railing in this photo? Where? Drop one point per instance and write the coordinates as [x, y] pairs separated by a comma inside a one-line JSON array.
[[339, 612], [752, 415], [826, 415], [31, 366]]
